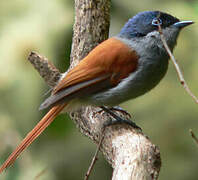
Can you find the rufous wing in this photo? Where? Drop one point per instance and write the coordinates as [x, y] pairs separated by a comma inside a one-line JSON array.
[[104, 67]]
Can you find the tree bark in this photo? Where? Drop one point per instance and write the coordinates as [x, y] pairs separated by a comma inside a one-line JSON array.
[[131, 154]]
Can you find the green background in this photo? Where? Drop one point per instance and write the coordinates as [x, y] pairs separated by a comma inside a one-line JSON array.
[[165, 114]]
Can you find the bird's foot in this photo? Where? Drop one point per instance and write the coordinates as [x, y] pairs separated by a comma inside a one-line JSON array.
[[119, 109], [117, 119]]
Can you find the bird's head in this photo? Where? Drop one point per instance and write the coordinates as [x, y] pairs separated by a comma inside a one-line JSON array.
[[145, 24]]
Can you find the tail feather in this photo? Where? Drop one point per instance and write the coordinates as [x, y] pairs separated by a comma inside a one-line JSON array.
[[32, 135]]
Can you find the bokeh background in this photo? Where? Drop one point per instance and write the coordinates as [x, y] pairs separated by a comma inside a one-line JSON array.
[[165, 114]]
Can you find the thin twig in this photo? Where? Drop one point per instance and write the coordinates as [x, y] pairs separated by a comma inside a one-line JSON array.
[[95, 156], [40, 174], [193, 136], [180, 75]]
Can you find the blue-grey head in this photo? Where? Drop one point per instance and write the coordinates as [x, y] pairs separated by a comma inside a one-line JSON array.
[[146, 24]]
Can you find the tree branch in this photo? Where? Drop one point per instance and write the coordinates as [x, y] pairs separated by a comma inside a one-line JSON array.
[[45, 68], [129, 151]]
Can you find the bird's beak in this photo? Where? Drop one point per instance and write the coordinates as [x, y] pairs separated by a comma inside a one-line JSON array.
[[182, 24]]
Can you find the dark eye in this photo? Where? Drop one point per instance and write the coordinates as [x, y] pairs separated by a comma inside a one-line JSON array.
[[155, 21]]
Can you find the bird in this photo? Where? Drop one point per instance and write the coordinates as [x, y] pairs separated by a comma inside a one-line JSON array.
[[120, 68]]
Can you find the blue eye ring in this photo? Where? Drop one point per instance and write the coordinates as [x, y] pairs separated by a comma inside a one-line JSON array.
[[156, 21]]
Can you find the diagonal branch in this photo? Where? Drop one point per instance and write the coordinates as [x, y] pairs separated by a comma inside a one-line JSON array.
[[179, 73], [45, 68]]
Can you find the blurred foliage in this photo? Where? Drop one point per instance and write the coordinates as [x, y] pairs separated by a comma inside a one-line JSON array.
[[166, 114]]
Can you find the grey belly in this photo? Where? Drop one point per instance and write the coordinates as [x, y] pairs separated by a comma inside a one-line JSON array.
[[138, 83]]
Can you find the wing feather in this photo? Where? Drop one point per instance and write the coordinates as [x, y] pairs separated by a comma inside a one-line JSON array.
[[106, 65], [77, 90]]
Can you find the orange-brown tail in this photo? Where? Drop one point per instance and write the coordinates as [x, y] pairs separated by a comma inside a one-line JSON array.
[[32, 135]]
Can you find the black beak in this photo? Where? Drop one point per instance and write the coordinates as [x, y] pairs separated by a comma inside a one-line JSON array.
[[182, 24]]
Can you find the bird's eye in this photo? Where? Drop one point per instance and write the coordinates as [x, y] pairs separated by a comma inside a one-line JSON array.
[[156, 21]]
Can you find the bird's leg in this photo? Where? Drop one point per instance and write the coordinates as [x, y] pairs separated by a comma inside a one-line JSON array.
[[116, 108], [119, 109], [118, 120]]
